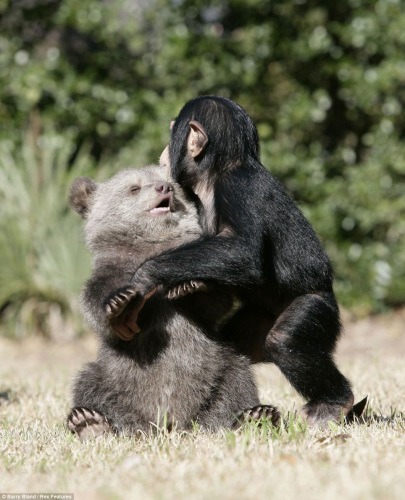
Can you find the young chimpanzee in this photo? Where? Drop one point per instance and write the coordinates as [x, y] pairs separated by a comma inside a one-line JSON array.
[[257, 242]]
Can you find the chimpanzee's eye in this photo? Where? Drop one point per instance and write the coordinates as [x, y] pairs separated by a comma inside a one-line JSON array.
[[134, 189]]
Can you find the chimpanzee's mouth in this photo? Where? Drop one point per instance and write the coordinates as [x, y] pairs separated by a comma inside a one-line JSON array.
[[164, 206]]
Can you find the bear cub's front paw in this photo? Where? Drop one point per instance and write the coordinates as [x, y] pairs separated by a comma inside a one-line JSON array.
[[118, 301]]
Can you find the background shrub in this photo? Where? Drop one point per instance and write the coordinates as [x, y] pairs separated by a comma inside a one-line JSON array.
[[324, 82]]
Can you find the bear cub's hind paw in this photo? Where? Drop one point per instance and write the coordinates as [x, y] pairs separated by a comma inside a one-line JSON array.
[[87, 423], [257, 413]]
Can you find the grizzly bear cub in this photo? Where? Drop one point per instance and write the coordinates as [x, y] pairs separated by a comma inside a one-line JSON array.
[[174, 371]]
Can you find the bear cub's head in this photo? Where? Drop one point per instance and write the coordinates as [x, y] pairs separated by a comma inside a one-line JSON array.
[[135, 206]]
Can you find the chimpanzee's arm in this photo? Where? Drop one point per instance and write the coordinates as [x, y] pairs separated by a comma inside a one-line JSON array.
[[267, 238], [225, 260], [233, 257]]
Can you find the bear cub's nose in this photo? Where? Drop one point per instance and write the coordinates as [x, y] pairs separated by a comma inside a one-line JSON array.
[[163, 187]]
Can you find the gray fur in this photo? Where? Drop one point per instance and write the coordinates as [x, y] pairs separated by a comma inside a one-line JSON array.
[[174, 366]]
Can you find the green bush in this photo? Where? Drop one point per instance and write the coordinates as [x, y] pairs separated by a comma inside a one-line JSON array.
[[322, 80], [42, 254]]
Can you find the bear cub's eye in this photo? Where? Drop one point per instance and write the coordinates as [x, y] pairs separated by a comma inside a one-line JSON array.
[[134, 189]]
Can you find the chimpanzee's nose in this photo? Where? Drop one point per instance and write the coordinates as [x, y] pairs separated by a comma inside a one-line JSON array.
[[163, 187]]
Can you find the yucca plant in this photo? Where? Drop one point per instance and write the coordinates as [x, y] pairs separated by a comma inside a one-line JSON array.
[[43, 261]]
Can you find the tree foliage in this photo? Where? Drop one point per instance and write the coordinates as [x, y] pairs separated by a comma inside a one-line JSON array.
[[324, 82]]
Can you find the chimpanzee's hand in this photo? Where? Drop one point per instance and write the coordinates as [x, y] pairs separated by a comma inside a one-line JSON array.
[[186, 289], [144, 282]]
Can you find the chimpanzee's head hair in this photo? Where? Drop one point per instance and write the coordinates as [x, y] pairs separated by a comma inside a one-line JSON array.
[[232, 137]]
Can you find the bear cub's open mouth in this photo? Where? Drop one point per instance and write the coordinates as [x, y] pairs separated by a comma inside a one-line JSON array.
[[164, 206]]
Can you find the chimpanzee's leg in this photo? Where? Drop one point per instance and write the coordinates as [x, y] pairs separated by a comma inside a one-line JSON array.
[[247, 331], [301, 343]]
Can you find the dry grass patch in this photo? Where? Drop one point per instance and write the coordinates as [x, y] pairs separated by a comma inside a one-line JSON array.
[[358, 461]]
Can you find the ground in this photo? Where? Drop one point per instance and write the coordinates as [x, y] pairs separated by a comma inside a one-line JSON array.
[[361, 461]]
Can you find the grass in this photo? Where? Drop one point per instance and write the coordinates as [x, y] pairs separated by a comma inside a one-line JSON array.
[[361, 461]]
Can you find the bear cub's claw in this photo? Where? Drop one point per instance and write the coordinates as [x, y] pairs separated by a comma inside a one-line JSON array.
[[87, 423], [257, 413], [117, 302]]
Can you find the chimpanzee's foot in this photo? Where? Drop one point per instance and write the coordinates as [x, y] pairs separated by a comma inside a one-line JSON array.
[[87, 423], [357, 411], [318, 414], [257, 413], [186, 289]]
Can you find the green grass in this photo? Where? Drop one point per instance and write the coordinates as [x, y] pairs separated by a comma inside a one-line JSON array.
[[360, 461]]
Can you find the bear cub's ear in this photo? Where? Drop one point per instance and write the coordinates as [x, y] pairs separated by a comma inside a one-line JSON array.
[[81, 192]]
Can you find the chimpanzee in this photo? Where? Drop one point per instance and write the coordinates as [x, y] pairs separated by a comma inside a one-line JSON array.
[[258, 242]]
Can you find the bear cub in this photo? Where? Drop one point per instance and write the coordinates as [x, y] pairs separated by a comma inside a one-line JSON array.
[[173, 371]]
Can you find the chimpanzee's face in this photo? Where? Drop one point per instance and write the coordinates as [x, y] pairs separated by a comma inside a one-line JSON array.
[[164, 160], [196, 140]]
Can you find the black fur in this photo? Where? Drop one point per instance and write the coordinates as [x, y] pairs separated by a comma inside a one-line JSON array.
[[257, 242], [173, 365]]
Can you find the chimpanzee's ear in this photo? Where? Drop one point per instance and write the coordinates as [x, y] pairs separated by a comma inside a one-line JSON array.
[[81, 192], [197, 139], [172, 125]]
